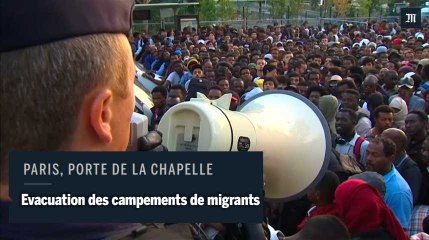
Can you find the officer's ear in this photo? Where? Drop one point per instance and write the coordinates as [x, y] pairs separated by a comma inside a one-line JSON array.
[[101, 115]]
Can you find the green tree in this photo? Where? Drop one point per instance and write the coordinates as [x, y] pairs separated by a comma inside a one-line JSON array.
[[296, 7], [369, 6], [314, 3], [278, 8], [417, 3], [328, 6], [342, 7], [225, 10], [365, 7], [207, 11]]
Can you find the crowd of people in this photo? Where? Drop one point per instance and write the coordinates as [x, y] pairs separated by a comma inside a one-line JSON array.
[[371, 84]]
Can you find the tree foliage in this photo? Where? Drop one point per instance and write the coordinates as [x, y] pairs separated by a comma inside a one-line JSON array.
[[278, 8], [295, 7], [225, 10], [207, 11], [314, 3], [342, 7], [365, 6], [369, 6]]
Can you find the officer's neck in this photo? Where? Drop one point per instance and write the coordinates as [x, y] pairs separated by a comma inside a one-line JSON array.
[[4, 192]]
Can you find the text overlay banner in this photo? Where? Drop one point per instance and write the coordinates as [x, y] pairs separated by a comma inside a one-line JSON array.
[[136, 187]]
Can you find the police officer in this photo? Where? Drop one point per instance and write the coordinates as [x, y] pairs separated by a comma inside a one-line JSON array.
[[67, 76]]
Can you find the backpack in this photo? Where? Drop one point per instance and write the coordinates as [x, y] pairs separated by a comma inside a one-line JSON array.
[[351, 164], [197, 85]]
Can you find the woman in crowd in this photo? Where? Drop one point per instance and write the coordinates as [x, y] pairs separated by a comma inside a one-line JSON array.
[[365, 213]]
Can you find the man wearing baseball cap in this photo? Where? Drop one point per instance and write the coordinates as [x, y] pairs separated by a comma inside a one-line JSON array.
[[406, 90], [397, 43], [381, 54], [67, 75]]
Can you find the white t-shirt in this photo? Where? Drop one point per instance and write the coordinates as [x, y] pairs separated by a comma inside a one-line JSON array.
[[348, 149], [173, 78]]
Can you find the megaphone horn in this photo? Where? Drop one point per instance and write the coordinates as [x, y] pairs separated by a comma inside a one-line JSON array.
[[289, 129]]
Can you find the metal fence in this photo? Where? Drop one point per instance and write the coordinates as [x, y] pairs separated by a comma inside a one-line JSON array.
[[314, 21], [152, 27]]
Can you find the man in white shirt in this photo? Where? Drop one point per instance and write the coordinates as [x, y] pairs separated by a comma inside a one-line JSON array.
[[176, 76], [349, 142]]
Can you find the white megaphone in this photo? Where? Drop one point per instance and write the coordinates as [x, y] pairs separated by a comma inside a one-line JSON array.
[[289, 129]]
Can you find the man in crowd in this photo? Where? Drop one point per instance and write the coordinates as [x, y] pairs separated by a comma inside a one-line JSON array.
[[197, 83], [178, 76], [270, 83], [390, 80], [379, 158], [215, 92], [177, 91], [159, 97], [300, 68], [350, 99], [406, 92], [415, 127], [349, 142], [245, 75], [383, 120], [260, 64], [403, 163]]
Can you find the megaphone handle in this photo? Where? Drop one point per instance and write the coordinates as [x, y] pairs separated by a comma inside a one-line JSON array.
[[149, 141]]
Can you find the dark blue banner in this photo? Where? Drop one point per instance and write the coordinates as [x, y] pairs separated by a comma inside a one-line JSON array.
[[411, 18], [136, 187]]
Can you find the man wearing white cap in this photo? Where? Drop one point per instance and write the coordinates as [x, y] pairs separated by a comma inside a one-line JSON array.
[[335, 79], [381, 54], [333, 83], [355, 45], [268, 57], [406, 90], [364, 42]]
